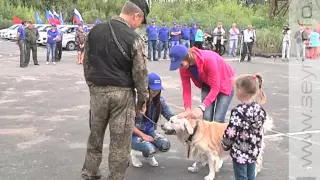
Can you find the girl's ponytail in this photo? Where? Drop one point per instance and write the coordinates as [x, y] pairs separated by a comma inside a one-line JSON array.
[[262, 99]]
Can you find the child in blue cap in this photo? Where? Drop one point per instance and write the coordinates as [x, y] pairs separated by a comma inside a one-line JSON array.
[[145, 139]]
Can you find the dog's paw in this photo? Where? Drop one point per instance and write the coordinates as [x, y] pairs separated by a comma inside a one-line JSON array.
[[193, 169], [209, 177]]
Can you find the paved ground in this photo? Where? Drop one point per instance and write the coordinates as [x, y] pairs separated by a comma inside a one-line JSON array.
[[44, 121]]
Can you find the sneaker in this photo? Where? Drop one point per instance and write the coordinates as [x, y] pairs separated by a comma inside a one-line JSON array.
[[134, 160], [153, 162], [54, 63], [47, 63]]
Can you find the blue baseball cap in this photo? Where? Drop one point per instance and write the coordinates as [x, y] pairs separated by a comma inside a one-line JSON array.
[[155, 83], [177, 53]]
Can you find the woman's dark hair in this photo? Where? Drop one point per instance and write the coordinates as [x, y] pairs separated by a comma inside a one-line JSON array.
[[157, 103]]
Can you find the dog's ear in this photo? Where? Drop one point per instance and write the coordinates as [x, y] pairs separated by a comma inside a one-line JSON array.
[[187, 126]]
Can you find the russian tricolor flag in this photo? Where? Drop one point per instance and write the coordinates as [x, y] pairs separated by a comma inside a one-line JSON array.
[[77, 16], [50, 17], [56, 17]]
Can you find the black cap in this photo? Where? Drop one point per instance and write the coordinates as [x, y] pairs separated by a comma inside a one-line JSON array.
[[144, 6]]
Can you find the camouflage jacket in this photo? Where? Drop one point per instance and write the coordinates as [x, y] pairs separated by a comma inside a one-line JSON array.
[[139, 70], [32, 35], [81, 37]]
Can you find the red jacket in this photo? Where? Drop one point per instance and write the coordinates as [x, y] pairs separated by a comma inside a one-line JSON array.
[[213, 71]]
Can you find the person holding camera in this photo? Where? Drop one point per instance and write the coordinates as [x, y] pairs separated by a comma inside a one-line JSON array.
[[249, 38], [286, 43]]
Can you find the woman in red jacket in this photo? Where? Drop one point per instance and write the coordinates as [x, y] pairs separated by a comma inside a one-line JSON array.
[[209, 72]]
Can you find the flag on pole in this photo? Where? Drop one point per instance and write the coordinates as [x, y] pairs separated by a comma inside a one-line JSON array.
[[56, 17], [61, 19], [50, 17], [38, 19], [77, 16], [16, 20]]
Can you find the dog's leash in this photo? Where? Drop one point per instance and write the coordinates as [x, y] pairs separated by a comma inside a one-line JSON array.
[[151, 120]]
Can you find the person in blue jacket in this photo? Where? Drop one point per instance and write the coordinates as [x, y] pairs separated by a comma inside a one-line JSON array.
[[152, 33], [52, 36], [193, 32], [185, 35], [174, 35], [145, 139], [163, 40]]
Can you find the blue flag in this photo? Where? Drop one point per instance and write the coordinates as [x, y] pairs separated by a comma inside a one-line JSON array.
[[38, 19]]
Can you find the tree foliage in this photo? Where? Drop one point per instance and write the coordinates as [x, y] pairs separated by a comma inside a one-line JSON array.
[[207, 12]]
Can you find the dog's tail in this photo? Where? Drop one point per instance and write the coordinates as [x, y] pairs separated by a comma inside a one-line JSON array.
[[268, 124]]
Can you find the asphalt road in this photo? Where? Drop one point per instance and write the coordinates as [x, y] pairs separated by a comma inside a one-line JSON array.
[[44, 121]]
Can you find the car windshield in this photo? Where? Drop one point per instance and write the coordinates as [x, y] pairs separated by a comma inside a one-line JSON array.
[[64, 29], [39, 27], [13, 26]]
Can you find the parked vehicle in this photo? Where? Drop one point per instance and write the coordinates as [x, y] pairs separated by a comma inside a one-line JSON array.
[[3, 32], [69, 35]]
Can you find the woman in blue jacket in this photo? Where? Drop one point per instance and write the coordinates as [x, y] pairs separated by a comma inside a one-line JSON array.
[[145, 139]]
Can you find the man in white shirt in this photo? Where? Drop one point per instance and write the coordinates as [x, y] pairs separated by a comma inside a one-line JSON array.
[[286, 42], [249, 38], [233, 40]]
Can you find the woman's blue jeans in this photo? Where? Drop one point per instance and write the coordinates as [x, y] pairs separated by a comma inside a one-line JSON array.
[[51, 48], [218, 109], [148, 149]]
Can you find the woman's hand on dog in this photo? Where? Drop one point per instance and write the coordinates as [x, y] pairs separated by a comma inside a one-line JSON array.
[[186, 114], [147, 138], [196, 113]]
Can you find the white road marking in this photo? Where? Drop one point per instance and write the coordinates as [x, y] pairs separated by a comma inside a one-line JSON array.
[[292, 135]]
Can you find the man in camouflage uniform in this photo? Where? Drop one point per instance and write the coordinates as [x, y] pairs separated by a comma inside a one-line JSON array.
[[32, 36], [114, 66]]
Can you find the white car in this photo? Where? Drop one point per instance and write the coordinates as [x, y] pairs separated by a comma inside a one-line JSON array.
[[4, 31], [10, 32], [69, 36], [43, 34], [13, 33]]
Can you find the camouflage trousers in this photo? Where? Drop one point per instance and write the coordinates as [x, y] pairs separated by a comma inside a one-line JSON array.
[[113, 106]]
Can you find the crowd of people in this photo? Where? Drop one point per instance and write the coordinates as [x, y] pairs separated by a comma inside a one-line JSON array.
[[307, 41], [163, 38], [27, 36], [126, 97]]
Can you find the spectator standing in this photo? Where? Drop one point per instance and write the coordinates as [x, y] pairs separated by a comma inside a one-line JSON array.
[[163, 40], [152, 33], [21, 41], [185, 35], [32, 36], [58, 51], [81, 36], [233, 40], [51, 43]]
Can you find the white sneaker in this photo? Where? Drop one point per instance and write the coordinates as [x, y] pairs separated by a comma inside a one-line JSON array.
[[47, 63], [54, 63], [135, 161], [153, 162]]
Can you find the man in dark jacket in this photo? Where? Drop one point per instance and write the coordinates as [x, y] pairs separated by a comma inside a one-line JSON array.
[[32, 36], [59, 45], [114, 67]]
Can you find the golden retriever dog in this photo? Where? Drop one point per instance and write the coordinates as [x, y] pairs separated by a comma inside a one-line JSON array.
[[203, 140]]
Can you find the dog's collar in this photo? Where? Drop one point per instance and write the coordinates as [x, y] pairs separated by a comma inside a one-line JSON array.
[[190, 139], [194, 132]]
